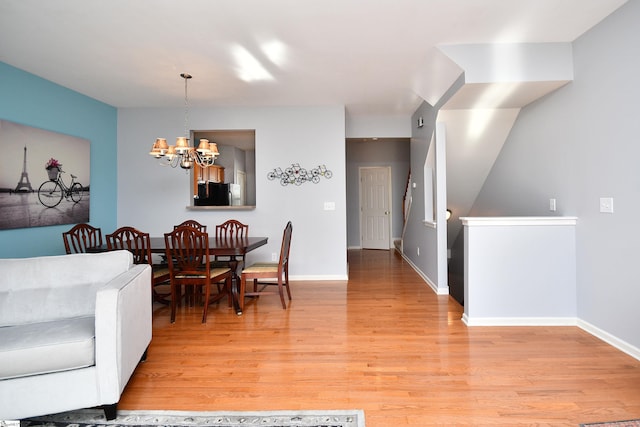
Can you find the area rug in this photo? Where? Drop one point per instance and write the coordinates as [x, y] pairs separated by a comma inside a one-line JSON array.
[[629, 423], [86, 418]]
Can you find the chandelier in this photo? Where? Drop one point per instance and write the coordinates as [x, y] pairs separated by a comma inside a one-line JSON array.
[[182, 153]]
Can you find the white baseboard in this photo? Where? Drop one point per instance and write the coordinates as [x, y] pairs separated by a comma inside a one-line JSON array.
[[616, 342], [438, 291], [610, 339], [519, 321], [360, 247], [319, 278]]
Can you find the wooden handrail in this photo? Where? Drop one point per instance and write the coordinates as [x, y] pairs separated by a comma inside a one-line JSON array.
[[404, 199]]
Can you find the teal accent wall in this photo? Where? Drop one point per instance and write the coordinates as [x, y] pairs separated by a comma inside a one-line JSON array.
[[33, 101]]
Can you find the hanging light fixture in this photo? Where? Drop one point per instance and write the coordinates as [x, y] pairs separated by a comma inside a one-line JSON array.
[[182, 153]]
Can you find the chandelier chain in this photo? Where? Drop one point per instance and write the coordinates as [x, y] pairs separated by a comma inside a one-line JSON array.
[[186, 106]]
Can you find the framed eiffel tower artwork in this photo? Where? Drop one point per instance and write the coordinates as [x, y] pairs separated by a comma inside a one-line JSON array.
[[44, 177]]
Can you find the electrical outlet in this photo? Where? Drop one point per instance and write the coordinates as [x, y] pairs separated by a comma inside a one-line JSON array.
[[274, 256], [418, 250], [552, 205]]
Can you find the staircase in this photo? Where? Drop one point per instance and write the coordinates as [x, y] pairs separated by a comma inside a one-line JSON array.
[[406, 208]]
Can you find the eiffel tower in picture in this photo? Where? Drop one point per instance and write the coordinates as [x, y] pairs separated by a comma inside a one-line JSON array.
[[24, 184]]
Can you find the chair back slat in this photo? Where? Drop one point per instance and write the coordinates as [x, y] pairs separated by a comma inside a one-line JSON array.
[[286, 247], [81, 237], [232, 229], [192, 223]]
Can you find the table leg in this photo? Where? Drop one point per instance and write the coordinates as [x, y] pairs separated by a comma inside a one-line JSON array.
[[235, 281]]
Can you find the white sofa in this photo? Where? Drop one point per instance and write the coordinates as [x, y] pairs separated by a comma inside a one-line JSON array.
[[72, 331]]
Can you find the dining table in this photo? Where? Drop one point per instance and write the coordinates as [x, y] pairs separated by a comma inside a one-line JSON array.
[[234, 248]]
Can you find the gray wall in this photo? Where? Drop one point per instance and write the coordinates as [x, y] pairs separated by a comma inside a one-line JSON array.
[[431, 242], [394, 154], [577, 145], [154, 198], [416, 234]]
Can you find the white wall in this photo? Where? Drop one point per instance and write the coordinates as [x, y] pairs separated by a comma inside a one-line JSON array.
[[577, 145], [519, 271], [380, 126], [512, 62], [154, 198]]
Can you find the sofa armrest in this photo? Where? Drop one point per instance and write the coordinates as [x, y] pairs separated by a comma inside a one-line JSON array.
[[123, 329]]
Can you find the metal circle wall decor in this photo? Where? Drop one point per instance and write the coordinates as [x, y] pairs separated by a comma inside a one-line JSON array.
[[298, 175]]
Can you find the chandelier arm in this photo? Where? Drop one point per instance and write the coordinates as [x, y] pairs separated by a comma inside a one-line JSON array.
[[166, 161]]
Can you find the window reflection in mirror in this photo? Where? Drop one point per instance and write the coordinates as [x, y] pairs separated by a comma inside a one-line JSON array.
[[231, 181]]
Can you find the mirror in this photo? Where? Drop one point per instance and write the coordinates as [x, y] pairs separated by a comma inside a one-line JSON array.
[[231, 181]]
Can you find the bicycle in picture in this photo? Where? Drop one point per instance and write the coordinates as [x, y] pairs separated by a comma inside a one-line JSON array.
[[52, 191]]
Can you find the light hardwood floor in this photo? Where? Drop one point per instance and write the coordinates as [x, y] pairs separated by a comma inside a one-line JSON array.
[[384, 343]]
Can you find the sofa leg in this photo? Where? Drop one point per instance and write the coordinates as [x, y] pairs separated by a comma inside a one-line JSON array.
[[110, 411], [144, 355]]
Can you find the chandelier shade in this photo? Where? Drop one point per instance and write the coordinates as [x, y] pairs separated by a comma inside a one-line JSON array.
[[182, 154]]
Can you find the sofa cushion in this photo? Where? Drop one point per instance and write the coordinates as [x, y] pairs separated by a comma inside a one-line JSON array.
[[39, 348]]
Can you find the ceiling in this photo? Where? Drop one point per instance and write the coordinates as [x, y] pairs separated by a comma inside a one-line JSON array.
[[365, 54]]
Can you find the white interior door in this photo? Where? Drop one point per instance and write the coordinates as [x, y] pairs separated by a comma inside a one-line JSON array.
[[375, 211]]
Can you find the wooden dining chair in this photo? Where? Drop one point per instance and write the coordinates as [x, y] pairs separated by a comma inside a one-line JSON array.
[[139, 244], [231, 229], [80, 237], [189, 223], [192, 223], [187, 251], [260, 271]]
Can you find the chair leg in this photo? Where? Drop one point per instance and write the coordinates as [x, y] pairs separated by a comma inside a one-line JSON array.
[[286, 282], [207, 296], [174, 298], [157, 296], [281, 292], [243, 283]]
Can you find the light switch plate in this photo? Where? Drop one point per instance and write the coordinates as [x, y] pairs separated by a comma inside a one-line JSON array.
[[329, 206], [606, 204]]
